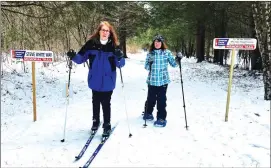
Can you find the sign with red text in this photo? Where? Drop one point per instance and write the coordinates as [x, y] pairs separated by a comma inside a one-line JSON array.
[[235, 43], [33, 55]]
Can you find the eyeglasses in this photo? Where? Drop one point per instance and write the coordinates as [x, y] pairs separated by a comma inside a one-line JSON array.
[[106, 31]]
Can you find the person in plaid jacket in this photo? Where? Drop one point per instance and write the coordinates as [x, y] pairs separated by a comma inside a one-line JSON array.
[[157, 61]]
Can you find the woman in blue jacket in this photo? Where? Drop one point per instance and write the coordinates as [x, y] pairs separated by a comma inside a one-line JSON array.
[[103, 54], [157, 62]]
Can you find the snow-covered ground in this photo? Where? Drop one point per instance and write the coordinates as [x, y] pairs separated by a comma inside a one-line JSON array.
[[243, 141]]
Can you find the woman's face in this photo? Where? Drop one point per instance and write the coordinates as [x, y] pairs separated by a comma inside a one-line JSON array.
[[157, 44], [104, 32]]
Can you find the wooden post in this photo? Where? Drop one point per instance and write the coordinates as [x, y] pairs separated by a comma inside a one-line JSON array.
[[229, 86], [34, 91]]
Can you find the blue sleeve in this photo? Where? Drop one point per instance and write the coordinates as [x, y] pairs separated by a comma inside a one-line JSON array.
[[147, 63], [83, 54], [79, 59], [171, 60]]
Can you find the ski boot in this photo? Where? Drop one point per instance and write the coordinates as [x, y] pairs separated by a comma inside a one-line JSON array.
[[95, 126], [107, 131]]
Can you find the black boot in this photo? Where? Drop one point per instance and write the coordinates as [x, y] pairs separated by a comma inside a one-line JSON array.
[[107, 129], [95, 125]]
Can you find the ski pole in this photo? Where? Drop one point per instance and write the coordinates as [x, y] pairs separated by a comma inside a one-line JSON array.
[[145, 110], [180, 66], [130, 135], [67, 97], [146, 103]]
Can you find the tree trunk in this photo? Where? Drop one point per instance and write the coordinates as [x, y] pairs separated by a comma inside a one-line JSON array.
[[256, 60], [124, 45], [208, 48], [183, 47], [261, 14], [190, 48], [217, 35], [222, 34], [200, 41]]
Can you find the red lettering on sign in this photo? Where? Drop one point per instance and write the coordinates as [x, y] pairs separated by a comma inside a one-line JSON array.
[[38, 59]]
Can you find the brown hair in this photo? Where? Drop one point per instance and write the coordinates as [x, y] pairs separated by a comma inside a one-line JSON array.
[[163, 46], [113, 34]]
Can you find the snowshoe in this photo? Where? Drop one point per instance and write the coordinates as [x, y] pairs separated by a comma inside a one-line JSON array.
[[148, 117], [160, 123]]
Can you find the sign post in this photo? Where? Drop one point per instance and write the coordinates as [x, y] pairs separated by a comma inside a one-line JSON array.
[[233, 44], [33, 56], [34, 91]]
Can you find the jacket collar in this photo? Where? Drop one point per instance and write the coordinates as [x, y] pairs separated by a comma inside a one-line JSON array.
[[97, 40]]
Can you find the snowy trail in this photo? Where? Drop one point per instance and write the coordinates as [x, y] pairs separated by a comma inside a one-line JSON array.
[[210, 141]]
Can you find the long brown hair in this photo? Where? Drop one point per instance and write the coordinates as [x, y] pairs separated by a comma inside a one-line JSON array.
[[163, 46], [113, 34]]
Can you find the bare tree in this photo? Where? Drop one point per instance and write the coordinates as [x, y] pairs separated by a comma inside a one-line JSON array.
[[262, 19]]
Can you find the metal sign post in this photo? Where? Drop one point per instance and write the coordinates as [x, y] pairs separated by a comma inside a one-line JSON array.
[[233, 44]]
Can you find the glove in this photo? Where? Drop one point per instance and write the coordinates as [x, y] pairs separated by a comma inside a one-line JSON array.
[[71, 53], [121, 63], [150, 60], [119, 54]]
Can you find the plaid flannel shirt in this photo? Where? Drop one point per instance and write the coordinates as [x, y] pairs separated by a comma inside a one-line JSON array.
[[158, 75]]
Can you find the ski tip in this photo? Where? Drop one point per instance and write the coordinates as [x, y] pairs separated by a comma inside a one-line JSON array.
[[76, 158]]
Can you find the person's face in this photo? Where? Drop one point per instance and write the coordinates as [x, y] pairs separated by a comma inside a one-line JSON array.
[[157, 44], [104, 32]]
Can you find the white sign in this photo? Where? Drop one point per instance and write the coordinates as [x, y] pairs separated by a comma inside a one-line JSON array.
[[33, 55], [235, 43]]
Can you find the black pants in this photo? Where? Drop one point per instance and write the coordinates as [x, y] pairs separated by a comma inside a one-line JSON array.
[[103, 98], [157, 93]]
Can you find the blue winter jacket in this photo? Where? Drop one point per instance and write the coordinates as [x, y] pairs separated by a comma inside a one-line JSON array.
[[102, 64]]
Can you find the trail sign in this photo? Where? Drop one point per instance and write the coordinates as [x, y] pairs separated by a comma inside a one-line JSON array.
[[17, 53], [235, 43], [33, 55]]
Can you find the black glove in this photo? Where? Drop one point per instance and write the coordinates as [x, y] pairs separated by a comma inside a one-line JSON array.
[[118, 53], [178, 59], [150, 61], [71, 53]]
